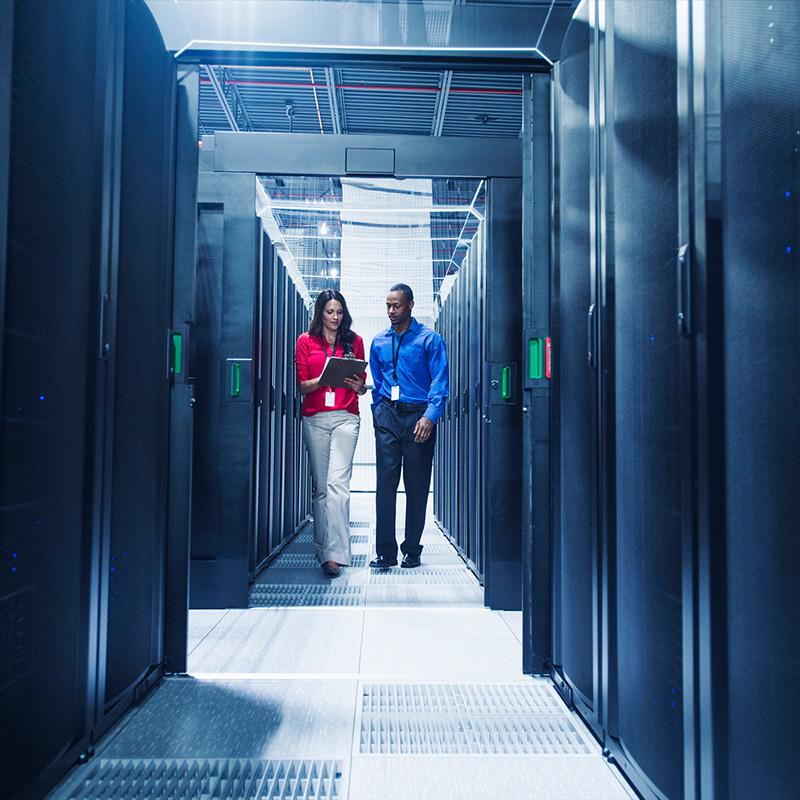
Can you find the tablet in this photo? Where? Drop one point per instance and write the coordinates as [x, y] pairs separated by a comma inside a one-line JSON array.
[[337, 369]]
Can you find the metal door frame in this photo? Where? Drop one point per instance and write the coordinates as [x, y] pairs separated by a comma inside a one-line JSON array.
[[302, 154], [413, 156]]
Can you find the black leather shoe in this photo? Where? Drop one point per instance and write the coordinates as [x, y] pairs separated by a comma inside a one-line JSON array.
[[409, 562], [381, 562]]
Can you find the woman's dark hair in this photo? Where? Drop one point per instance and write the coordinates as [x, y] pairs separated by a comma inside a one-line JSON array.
[[346, 336]]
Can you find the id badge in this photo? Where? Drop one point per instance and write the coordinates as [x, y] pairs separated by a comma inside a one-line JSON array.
[[395, 393], [330, 399]]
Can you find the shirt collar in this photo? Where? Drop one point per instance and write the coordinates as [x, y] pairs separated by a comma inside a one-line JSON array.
[[413, 327]]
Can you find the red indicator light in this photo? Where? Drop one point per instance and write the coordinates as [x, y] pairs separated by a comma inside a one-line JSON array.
[[548, 352]]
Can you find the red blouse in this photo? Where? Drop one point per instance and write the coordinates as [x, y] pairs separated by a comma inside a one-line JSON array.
[[310, 358]]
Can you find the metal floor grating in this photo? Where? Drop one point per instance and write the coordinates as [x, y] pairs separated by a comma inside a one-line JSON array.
[[543, 734], [434, 576], [308, 561], [263, 595], [384, 698], [205, 779], [360, 524], [355, 538], [438, 550]]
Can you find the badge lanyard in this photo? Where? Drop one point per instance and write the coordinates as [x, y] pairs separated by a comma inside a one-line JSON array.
[[330, 395], [395, 359]]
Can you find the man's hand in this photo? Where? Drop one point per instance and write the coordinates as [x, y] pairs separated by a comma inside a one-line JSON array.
[[356, 384], [423, 430]]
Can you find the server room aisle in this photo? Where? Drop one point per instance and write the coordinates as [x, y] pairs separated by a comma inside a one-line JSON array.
[[390, 685]]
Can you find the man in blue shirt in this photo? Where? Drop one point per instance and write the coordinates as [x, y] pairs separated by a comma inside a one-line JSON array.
[[409, 373]]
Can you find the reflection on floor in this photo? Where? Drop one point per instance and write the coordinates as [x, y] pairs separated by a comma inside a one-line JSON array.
[[385, 685]]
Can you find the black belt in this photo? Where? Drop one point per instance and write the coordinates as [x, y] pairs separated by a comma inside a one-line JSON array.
[[405, 407]]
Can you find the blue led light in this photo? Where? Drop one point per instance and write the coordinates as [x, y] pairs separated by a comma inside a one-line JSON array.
[[41, 397], [13, 555], [113, 569], [788, 194], [652, 339], [788, 248], [14, 569]]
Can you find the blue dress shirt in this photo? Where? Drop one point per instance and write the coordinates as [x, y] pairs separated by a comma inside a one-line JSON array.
[[421, 368]]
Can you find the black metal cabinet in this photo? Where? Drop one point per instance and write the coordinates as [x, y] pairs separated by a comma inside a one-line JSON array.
[[479, 449], [49, 352], [247, 456], [222, 361], [574, 370], [136, 509], [502, 398], [745, 280], [692, 271], [647, 686], [84, 287]]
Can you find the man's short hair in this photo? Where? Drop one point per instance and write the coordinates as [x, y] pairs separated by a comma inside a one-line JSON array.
[[405, 289]]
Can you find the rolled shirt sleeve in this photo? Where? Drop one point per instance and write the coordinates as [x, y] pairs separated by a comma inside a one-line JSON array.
[[376, 369], [440, 380], [301, 358]]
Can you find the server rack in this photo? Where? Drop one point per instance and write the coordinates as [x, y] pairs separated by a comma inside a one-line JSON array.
[[574, 368], [690, 268], [247, 452], [84, 364], [740, 117], [479, 465]]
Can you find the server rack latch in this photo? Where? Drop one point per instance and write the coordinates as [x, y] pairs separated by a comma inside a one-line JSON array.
[[684, 291]]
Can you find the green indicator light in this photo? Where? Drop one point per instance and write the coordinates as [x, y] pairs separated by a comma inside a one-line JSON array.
[[505, 383], [535, 354], [236, 379], [177, 353]]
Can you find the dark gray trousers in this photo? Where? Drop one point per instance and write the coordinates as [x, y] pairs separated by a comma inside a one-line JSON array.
[[395, 449]]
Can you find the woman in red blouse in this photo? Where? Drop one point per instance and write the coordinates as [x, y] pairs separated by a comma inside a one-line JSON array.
[[330, 425]]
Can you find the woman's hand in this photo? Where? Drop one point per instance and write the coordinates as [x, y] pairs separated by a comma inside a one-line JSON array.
[[356, 384], [306, 387]]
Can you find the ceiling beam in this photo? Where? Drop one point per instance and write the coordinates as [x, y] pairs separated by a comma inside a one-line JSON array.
[[341, 105], [340, 208], [223, 101], [231, 91], [333, 100], [441, 103]]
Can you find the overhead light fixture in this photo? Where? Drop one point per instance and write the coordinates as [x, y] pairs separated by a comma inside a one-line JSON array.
[[323, 228]]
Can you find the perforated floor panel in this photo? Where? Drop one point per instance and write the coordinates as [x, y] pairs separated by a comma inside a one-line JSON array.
[[438, 549], [355, 538], [435, 576], [382, 698], [360, 524], [551, 734], [301, 594], [204, 779], [309, 561]]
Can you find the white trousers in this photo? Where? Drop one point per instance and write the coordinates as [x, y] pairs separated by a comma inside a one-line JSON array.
[[331, 437]]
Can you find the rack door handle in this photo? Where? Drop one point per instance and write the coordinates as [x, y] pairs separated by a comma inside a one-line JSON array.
[[591, 337], [684, 275]]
